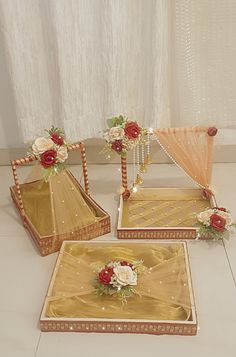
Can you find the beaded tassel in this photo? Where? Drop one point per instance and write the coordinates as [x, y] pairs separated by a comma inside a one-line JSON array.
[[134, 165], [139, 179], [148, 159], [143, 168]]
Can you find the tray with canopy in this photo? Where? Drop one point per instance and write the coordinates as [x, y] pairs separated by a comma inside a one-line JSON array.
[[163, 212]]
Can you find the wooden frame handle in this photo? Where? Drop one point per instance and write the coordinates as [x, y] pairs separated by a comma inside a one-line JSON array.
[[25, 160], [124, 172], [81, 146]]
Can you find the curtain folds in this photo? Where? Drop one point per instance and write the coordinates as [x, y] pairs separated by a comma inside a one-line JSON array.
[[75, 63], [192, 149]]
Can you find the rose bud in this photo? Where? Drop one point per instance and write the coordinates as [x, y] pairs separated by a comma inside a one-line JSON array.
[[117, 145], [57, 139], [212, 131], [126, 195]]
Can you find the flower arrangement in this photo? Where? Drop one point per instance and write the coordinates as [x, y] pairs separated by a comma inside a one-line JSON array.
[[119, 278], [215, 222], [122, 135], [51, 150]]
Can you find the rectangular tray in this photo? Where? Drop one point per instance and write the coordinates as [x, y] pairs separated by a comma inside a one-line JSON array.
[[57, 313], [161, 213]]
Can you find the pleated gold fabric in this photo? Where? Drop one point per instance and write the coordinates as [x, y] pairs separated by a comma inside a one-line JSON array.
[[163, 292]]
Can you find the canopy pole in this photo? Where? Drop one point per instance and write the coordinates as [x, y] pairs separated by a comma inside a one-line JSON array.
[[124, 172]]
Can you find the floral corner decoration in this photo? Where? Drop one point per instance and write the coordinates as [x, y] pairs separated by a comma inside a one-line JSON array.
[[118, 279], [51, 150], [122, 135], [215, 223]]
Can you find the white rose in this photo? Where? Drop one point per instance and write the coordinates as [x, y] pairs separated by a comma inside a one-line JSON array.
[[125, 275], [42, 144], [204, 216], [116, 134], [62, 154]]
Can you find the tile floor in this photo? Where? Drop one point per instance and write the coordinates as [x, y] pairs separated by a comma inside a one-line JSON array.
[[24, 277]]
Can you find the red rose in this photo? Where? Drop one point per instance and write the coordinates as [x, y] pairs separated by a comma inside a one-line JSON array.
[[212, 131], [132, 130], [126, 195], [220, 209], [48, 158], [125, 263], [117, 145], [105, 275], [207, 194], [57, 139], [217, 222]]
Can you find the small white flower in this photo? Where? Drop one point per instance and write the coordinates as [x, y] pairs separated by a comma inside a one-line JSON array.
[[125, 275], [106, 136], [204, 217], [41, 145], [62, 154], [130, 144], [113, 264], [114, 133]]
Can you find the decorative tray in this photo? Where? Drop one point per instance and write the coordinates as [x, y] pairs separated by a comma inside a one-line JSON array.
[[162, 302]]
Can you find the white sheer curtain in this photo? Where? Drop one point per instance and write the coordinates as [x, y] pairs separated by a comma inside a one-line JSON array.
[[204, 62], [74, 63]]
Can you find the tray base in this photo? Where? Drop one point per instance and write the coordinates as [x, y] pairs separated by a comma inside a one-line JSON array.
[[161, 213], [164, 304]]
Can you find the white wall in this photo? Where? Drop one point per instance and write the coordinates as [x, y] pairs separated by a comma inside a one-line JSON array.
[[9, 133]]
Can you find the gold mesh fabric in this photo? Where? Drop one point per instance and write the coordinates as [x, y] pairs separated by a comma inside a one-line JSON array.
[[164, 293], [163, 208], [58, 206]]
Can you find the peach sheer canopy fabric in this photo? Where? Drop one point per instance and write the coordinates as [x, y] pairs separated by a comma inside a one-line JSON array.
[[191, 149]]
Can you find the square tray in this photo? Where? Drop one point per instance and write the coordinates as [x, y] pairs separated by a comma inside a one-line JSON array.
[[66, 309]]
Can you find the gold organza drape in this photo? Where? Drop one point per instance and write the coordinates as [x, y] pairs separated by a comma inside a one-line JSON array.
[[58, 206], [163, 290], [191, 148]]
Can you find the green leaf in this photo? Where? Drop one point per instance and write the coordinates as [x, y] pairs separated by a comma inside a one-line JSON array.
[[55, 130], [123, 294], [110, 123], [118, 121]]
